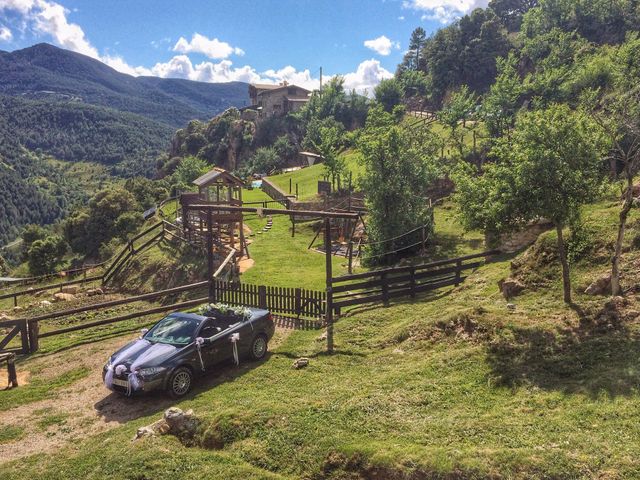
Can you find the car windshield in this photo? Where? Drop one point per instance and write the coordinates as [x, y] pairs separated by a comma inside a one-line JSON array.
[[173, 330]]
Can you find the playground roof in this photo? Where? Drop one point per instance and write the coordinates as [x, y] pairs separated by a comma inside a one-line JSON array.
[[217, 175]]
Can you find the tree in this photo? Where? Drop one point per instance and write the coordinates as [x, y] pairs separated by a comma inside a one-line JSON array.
[[265, 160], [399, 167], [413, 59], [189, 169], [45, 254], [618, 114], [512, 11], [30, 234], [389, 93], [331, 139], [455, 114], [549, 168], [501, 103]]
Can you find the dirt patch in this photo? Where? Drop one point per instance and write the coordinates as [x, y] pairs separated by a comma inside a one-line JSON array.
[[86, 407], [245, 264]]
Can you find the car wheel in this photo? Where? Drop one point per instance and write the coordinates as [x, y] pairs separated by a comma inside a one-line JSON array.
[[180, 382], [258, 347]]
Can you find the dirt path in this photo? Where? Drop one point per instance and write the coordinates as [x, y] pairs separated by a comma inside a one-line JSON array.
[[86, 407]]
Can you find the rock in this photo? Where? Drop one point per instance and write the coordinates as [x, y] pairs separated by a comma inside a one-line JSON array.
[[95, 291], [510, 287], [322, 337], [17, 309], [44, 303], [72, 289], [180, 422], [600, 286], [511, 306], [63, 297], [300, 363], [4, 316]]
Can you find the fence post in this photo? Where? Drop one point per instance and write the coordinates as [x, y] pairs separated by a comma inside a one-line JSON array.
[[458, 272], [262, 296], [424, 241], [298, 301], [329, 280], [24, 336], [34, 333], [350, 256], [15, 300], [11, 367], [385, 289], [413, 283]]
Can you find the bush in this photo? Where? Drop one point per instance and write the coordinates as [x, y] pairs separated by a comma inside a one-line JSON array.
[[45, 254]]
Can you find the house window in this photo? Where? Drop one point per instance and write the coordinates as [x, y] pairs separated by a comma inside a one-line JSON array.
[[292, 91]]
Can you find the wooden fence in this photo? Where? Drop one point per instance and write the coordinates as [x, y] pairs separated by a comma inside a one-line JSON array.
[[386, 284], [293, 301], [301, 303], [276, 193]]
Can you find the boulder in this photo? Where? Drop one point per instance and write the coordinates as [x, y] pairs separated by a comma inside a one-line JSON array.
[[72, 289], [510, 287], [600, 286], [95, 291], [179, 421], [63, 297], [300, 363], [44, 303]]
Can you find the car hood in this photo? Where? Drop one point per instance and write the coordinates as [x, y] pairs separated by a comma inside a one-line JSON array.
[[142, 353]]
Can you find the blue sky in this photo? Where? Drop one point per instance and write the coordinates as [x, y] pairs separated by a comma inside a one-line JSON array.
[[223, 40]]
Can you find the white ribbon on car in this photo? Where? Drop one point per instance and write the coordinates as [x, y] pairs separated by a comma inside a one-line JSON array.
[[234, 339], [199, 343]]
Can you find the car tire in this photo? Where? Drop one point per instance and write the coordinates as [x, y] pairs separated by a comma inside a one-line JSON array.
[[258, 348], [180, 382]]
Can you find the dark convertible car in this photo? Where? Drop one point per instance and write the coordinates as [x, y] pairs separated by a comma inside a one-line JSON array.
[[182, 346]]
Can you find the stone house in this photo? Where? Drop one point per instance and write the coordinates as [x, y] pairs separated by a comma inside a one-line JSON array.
[[280, 99]]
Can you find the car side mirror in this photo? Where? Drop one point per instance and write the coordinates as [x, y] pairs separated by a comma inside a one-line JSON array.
[[143, 332]]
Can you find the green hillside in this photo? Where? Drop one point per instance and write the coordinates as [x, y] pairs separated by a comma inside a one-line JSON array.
[[453, 385]]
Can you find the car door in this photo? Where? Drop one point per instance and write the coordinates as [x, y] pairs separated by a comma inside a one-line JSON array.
[[218, 349]]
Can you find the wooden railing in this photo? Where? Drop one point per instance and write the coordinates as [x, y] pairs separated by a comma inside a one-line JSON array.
[[131, 249], [389, 283]]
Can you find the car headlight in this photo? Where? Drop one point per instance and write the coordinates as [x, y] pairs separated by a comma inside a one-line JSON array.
[[150, 371]]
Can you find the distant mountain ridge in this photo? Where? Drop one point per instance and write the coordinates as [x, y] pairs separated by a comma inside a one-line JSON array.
[[47, 72]]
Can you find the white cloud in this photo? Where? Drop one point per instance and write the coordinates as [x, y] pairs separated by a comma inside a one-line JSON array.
[[5, 34], [212, 48], [366, 77], [444, 11], [382, 45], [401, 18], [45, 17]]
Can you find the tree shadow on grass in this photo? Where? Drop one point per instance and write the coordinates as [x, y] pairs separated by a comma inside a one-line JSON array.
[[598, 357]]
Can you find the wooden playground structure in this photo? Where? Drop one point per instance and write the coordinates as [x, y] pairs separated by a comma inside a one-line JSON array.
[[216, 187]]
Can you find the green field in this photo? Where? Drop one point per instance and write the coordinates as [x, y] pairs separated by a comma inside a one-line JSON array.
[[307, 178]]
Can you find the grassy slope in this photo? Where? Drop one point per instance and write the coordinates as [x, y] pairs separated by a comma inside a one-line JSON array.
[[307, 178], [452, 383]]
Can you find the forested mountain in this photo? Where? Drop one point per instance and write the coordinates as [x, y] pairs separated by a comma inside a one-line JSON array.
[[51, 73], [547, 39]]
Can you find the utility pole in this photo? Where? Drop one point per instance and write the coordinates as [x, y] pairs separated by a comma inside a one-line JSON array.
[[321, 81]]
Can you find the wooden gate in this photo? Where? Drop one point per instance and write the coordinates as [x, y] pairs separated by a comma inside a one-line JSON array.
[[15, 328]]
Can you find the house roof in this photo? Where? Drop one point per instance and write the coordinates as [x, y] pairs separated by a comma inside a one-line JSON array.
[[281, 87], [265, 86], [216, 175], [297, 99]]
